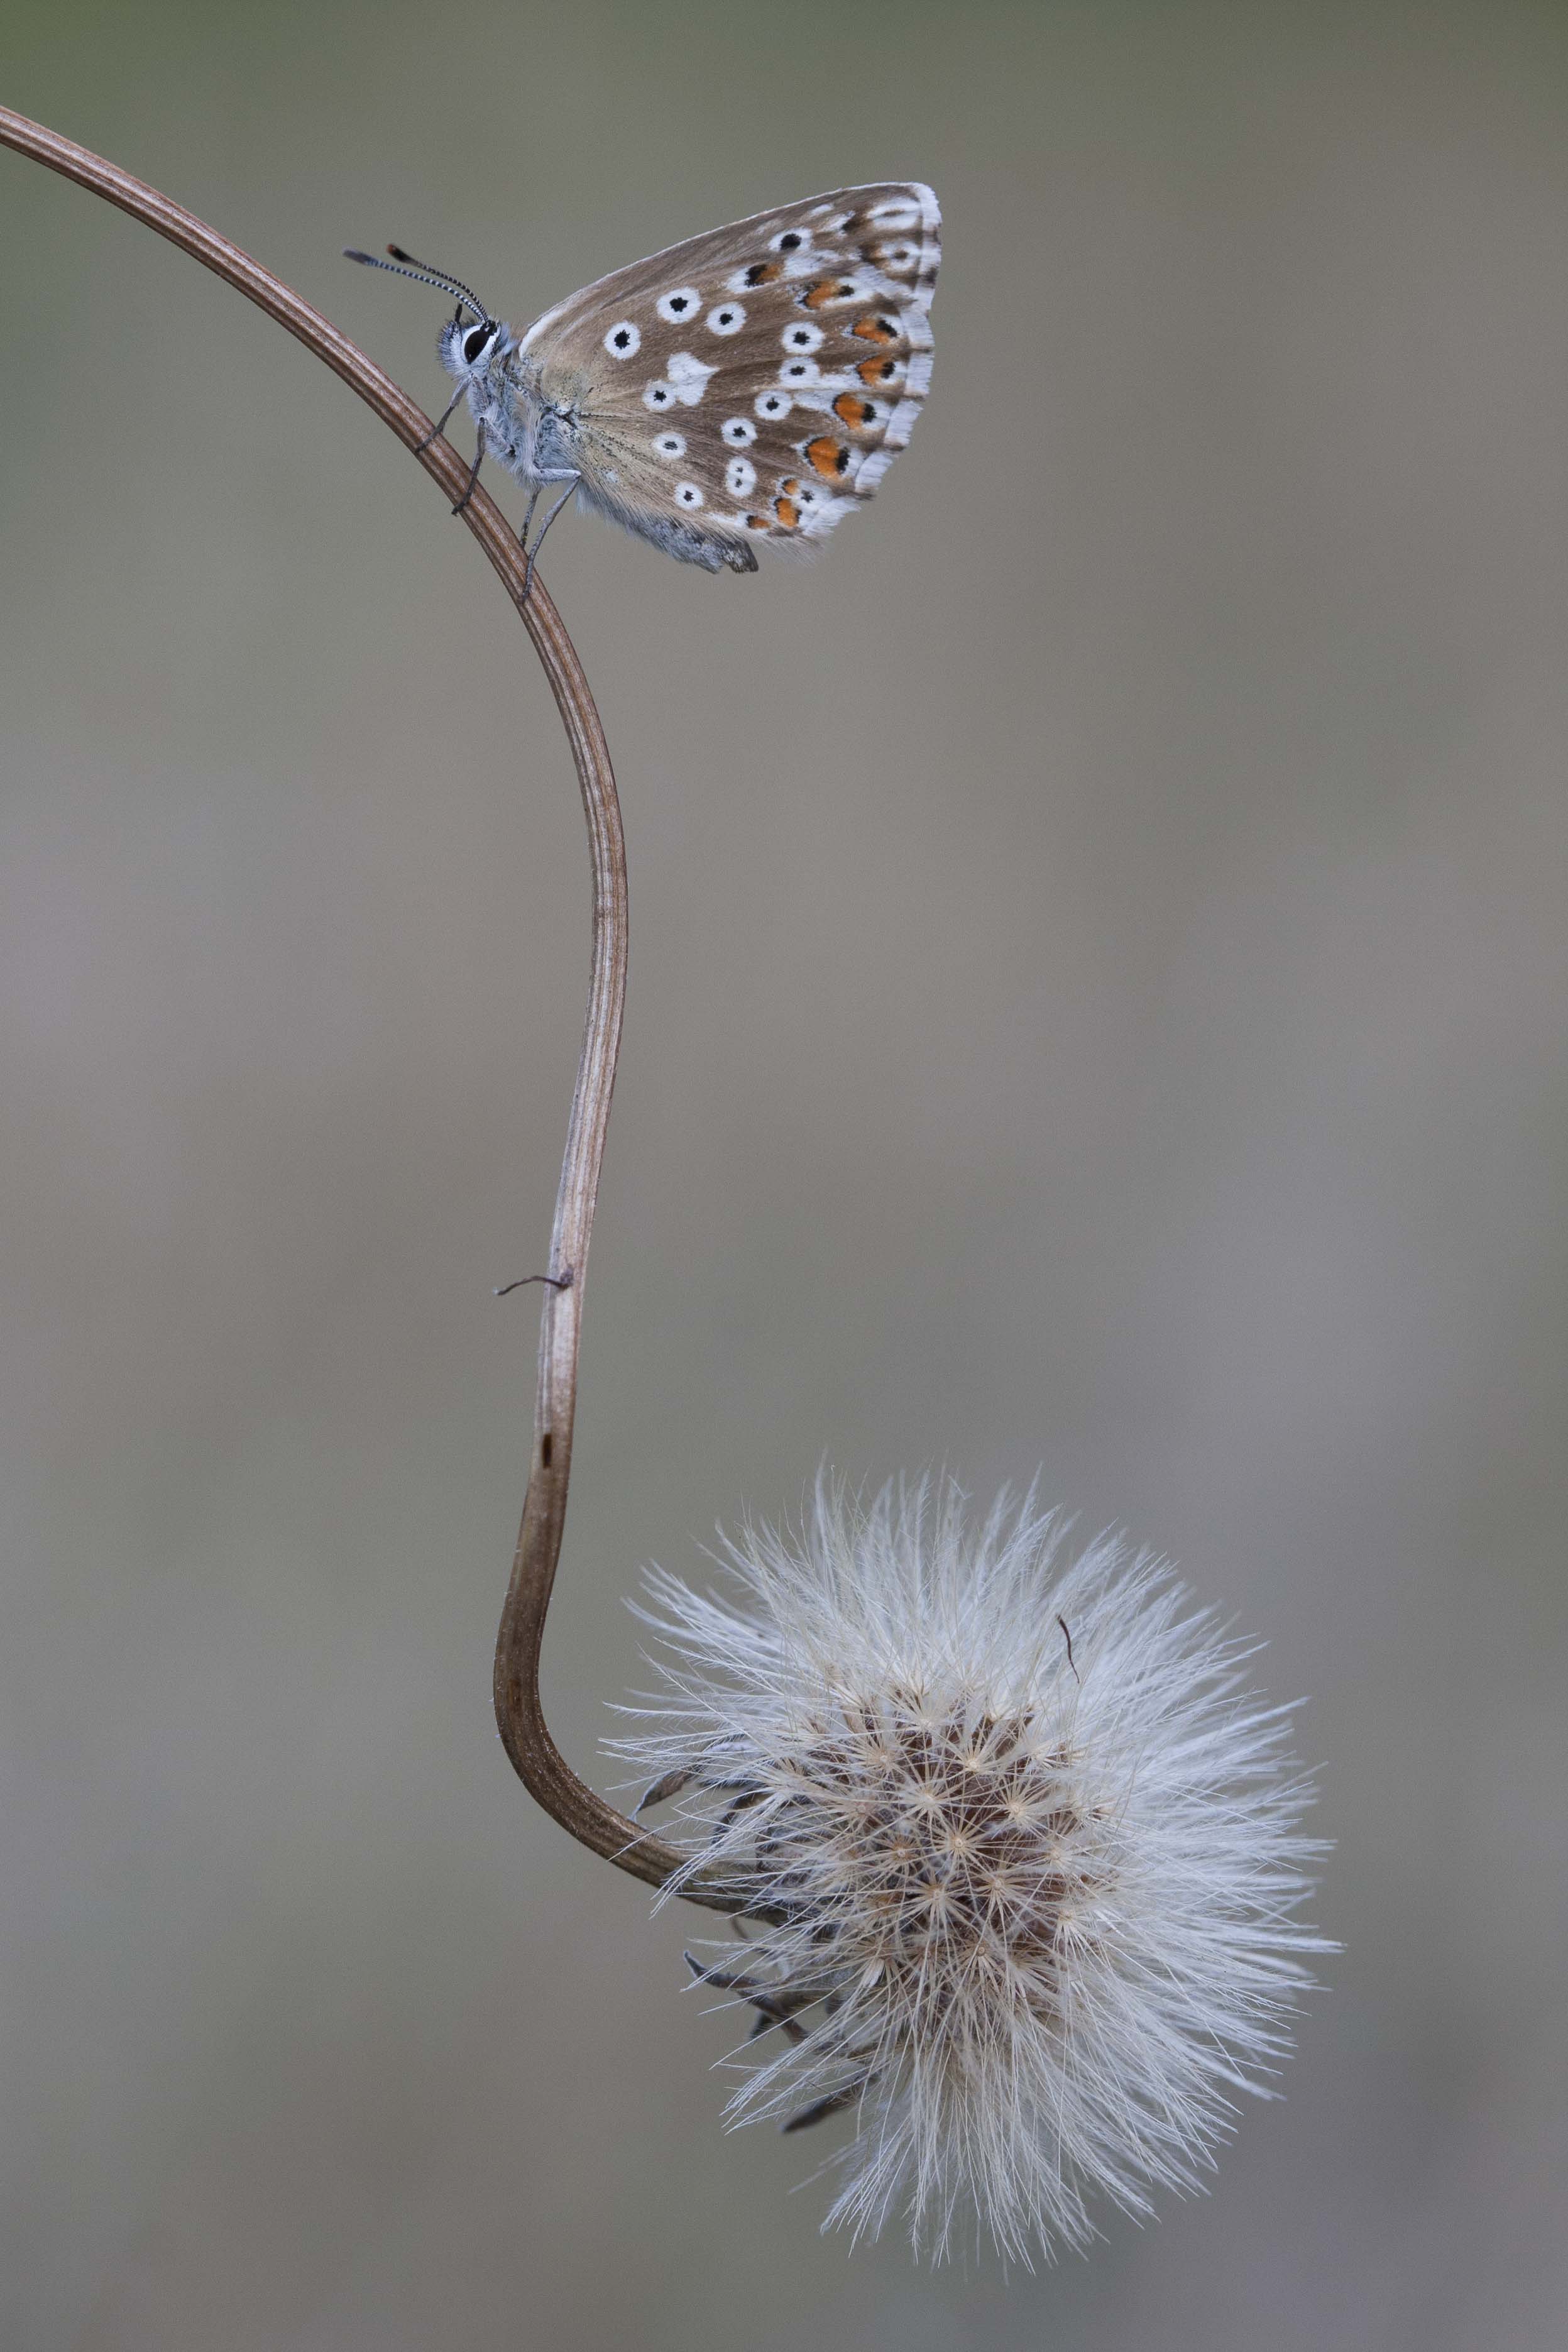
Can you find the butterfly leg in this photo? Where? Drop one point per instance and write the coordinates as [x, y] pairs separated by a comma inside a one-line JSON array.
[[439, 427], [532, 552], [473, 474]]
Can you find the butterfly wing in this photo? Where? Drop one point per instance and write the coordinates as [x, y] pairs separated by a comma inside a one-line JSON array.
[[752, 385]]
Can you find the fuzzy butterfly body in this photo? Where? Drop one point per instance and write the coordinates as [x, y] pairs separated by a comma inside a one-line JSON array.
[[750, 386]]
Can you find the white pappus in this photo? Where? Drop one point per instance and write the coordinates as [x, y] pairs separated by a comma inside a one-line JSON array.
[[1019, 1856]]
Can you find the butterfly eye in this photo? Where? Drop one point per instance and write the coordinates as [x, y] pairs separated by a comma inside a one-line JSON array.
[[476, 344], [622, 339]]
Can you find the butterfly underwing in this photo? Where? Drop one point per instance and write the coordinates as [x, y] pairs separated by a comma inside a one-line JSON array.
[[750, 387]]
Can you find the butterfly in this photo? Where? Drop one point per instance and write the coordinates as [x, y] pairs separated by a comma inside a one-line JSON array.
[[749, 388]]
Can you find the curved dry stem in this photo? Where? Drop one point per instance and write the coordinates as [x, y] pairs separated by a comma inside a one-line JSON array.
[[540, 1764]]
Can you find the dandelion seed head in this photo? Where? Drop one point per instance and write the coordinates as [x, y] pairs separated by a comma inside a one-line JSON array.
[[1020, 1858]]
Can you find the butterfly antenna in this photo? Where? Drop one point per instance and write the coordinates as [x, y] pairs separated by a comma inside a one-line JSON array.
[[403, 265]]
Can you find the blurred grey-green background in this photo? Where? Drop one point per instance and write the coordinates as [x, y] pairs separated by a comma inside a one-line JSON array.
[[1098, 974]]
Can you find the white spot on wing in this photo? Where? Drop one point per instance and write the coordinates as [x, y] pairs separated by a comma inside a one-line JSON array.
[[689, 376], [739, 477], [658, 394], [622, 339], [679, 303], [739, 431], [802, 338], [815, 398], [669, 445], [688, 495], [772, 404], [727, 319]]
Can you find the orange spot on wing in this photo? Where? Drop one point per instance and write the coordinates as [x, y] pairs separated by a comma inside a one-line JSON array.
[[827, 455], [763, 273], [876, 329], [787, 512], [829, 289], [757, 522], [853, 411], [877, 370]]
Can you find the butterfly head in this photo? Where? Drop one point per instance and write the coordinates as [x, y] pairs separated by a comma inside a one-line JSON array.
[[470, 347]]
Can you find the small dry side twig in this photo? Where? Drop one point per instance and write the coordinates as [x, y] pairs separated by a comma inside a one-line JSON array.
[[540, 1764]]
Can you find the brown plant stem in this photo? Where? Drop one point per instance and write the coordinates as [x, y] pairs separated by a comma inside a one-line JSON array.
[[540, 1764]]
